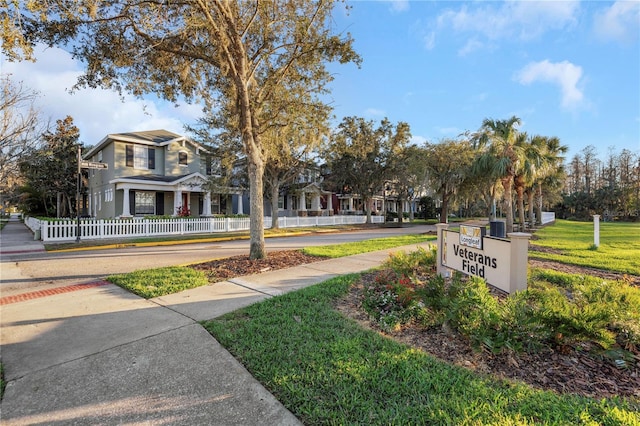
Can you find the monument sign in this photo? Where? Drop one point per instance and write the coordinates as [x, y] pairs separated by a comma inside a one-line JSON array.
[[500, 262]]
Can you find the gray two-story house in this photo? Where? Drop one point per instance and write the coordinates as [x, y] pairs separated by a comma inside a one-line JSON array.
[[153, 172]]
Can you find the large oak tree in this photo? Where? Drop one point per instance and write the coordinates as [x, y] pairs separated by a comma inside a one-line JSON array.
[[202, 50], [362, 158]]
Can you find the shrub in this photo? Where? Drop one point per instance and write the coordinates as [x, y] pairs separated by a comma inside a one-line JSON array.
[[419, 261], [391, 300], [557, 308]]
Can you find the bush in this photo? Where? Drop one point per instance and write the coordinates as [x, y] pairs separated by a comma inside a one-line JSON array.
[[557, 309]]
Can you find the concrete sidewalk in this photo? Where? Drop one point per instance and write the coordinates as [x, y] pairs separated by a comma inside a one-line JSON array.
[[96, 354], [17, 238]]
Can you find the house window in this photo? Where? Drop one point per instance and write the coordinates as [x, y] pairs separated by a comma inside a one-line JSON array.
[[100, 156], [211, 166], [215, 203], [281, 202], [182, 158], [145, 202], [140, 157]]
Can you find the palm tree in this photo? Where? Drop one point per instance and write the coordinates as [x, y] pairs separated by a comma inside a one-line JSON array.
[[501, 156], [552, 173], [529, 170]]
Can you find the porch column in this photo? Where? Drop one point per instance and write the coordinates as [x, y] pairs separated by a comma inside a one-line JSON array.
[[126, 210], [315, 203], [240, 206], [206, 207], [302, 202], [350, 203], [177, 201], [330, 203]]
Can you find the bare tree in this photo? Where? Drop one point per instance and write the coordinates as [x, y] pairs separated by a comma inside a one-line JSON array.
[[21, 126]]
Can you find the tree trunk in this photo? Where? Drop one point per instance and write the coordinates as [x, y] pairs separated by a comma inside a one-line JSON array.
[[539, 204], [507, 184], [520, 202], [275, 192], [255, 165], [530, 197], [256, 218], [366, 205], [444, 209]]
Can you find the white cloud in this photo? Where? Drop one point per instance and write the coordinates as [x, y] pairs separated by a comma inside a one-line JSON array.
[[429, 40], [96, 112], [450, 131], [620, 22], [374, 112], [524, 20], [564, 74], [472, 45], [417, 140], [399, 5]]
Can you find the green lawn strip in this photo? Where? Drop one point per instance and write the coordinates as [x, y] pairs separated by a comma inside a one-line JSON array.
[[375, 244], [619, 248], [326, 369], [149, 283], [190, 238]]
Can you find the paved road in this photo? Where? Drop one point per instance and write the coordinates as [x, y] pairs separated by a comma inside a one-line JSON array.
[[43, 270]]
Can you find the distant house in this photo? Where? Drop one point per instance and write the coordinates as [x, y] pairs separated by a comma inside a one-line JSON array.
[[160, 173], [153, 172]]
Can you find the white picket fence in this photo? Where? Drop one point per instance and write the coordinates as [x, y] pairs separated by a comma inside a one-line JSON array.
[[94, 229]]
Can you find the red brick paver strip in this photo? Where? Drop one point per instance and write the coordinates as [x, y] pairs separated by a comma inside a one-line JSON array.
[[50, 292]]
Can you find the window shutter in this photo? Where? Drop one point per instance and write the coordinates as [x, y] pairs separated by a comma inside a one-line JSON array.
[[129, 156], [152, 158]]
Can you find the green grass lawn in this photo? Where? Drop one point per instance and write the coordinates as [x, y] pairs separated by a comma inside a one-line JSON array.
[[327, 369], [572, 242], [149, 283], [357, 247]]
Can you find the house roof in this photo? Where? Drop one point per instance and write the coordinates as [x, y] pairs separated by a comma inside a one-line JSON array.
[[158, 137], [156, 178]]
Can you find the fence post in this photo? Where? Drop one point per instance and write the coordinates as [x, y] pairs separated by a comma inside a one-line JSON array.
[[596, 230], [44, 232]]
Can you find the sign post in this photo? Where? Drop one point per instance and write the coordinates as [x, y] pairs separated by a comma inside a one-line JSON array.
[[83, 165], [78, 183]]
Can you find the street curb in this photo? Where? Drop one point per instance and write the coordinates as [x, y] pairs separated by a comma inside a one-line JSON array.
[[176, 242]]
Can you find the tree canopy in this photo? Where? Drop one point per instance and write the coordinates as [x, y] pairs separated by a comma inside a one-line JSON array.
[[244, 53], [362, 158], [50, 172], [448, 165]]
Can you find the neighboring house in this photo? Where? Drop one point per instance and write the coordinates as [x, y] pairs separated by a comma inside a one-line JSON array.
[[305, 197], [153, 172]]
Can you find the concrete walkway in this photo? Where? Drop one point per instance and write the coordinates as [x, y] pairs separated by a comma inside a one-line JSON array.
[[96, 354]]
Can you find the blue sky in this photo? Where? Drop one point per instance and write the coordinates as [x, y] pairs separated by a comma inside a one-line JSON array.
[[569, 69], [566, 69]]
